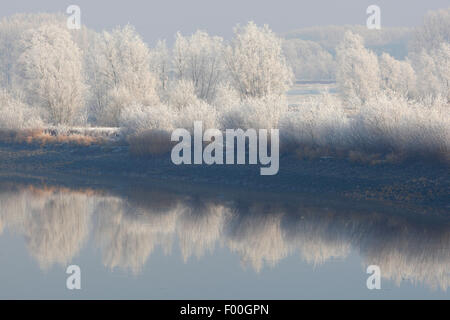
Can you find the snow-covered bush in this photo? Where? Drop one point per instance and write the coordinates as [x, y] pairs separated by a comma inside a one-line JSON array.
[[14, 114], [137, 118], [256, 113], [200, 111], [182, 94], [226, 97], [148, 128]]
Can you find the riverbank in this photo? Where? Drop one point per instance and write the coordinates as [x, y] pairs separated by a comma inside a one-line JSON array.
[[417, 182]]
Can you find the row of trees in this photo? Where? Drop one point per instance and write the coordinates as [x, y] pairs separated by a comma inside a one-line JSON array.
[[424, 74], [312, 51], [80, 75]]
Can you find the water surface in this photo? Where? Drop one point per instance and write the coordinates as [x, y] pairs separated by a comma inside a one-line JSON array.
[[153, 243]]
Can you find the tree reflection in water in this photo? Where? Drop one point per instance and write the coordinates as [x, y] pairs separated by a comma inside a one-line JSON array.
[[56, 223]]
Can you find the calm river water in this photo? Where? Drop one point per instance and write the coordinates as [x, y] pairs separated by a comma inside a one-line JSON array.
[[159, 244]]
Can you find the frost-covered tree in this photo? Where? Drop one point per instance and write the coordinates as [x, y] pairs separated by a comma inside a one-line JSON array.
[[433, 76], [12, 29], [397, 76], [50, 68], [309, 60], [357, 73], [434, 31], [430, 55], [198, 59], [123, 74], [256, 63], [442, 58], [160, 64]]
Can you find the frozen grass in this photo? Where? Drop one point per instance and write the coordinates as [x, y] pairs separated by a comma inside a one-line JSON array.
[[39, 136], [391, 128], [200, 111], [319, 123], [60, 135], [407, 128]]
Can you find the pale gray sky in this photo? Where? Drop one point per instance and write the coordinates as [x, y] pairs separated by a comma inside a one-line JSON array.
[[162, 19]]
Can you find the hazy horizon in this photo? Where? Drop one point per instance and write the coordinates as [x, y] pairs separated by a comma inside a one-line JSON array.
[[164, 19]]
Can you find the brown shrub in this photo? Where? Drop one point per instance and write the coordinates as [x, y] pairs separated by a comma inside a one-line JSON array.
[[150, 142]]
